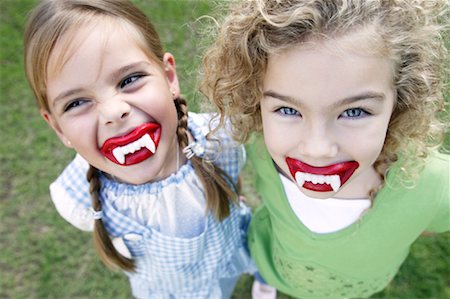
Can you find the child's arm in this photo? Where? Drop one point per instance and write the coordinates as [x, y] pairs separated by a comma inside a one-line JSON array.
[[70, 194]]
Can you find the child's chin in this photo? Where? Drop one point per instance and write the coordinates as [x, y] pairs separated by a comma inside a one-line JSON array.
[[317, 194]]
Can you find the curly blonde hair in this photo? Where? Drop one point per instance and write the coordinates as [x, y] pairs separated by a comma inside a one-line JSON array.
[[411, 33]]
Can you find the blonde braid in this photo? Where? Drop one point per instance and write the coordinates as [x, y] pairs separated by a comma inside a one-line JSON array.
[[218, 186], [105, 248]]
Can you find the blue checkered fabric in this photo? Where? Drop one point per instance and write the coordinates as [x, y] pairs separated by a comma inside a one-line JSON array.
[[171, 267]]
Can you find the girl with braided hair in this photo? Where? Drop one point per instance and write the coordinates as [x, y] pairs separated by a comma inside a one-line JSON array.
[[159, 196], [342, 103]]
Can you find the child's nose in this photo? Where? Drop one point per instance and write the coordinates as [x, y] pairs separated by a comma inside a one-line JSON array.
[[318, 142], [114, 111]]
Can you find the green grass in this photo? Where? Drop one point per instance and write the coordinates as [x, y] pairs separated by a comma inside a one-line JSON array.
[[41, 255]]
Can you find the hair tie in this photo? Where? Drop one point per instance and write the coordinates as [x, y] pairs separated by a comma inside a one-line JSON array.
[[96, 215], [192, 149]]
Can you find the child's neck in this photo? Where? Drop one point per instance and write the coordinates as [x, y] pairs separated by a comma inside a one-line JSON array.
[[361, 186]]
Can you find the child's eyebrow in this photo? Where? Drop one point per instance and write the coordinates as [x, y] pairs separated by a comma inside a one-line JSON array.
[[118, 74], [369, 95], [66, 94], [281, 97]]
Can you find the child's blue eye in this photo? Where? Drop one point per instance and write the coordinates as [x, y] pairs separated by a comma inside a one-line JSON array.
[[73, 104], [354, 113], [129, 80], [288, 111]]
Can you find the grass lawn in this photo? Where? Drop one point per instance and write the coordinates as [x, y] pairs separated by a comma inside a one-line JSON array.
[[41, 255]]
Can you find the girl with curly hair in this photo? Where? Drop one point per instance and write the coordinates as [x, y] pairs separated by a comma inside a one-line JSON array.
[[342, 104]]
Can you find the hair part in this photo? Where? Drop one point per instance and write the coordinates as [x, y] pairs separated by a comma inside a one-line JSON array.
[[407, 32]]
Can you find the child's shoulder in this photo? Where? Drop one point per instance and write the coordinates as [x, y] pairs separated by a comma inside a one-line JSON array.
[[436, 173], [440, 157], [437, 165], [202, 124], [74, 174], [198, 119], [435, 169], [433, 179], [220, 148], [70, 194]]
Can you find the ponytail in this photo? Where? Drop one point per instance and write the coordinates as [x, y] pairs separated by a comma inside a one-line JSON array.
[[218, 186], [102, 242]]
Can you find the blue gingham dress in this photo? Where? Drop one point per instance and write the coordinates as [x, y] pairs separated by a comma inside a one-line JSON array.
[[179, 251]]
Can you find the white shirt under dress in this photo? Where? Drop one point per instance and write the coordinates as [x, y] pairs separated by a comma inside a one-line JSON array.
[[179, 250], [323, 216]]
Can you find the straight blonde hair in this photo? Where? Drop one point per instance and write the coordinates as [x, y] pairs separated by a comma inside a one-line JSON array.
[[53, 19]]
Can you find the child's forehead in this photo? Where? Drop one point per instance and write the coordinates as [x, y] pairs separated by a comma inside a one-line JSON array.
[[73, 39], [366, 41]]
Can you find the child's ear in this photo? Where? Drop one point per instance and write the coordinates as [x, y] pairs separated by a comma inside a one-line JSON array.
[[171, 74], [52, 123]]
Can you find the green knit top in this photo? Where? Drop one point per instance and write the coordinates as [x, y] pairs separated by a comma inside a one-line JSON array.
[[356, 261]]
